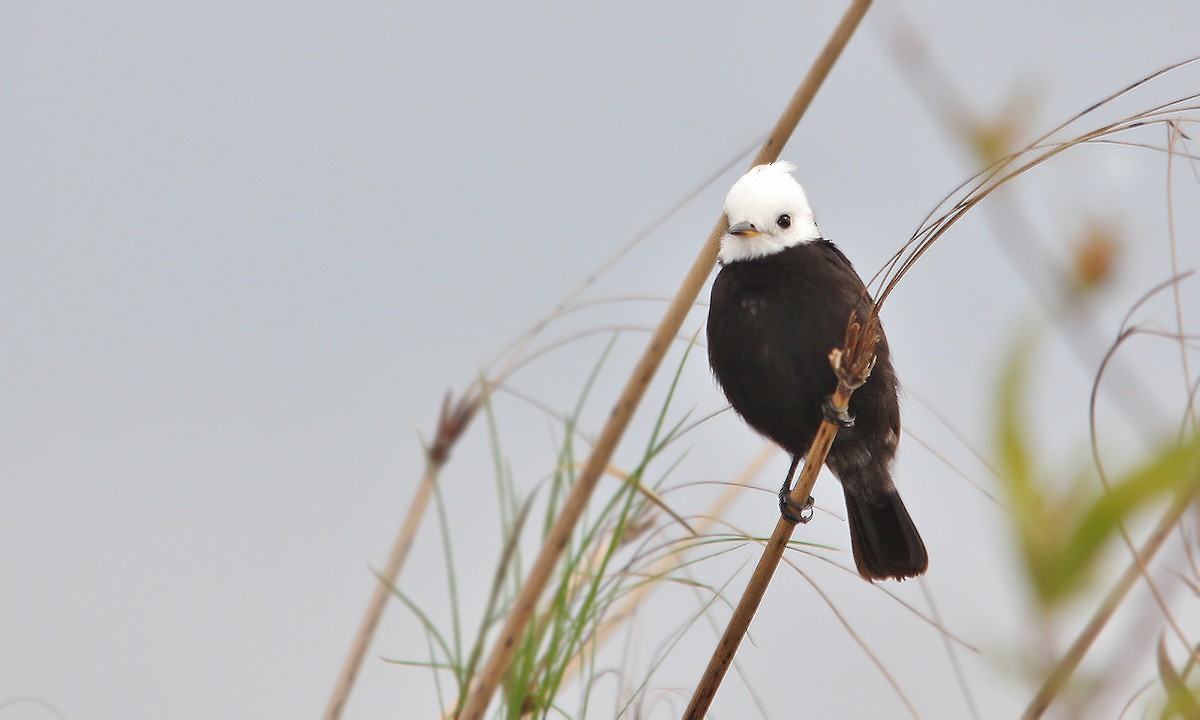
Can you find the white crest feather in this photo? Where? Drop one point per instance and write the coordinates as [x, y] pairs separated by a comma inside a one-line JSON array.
[[761, 197]]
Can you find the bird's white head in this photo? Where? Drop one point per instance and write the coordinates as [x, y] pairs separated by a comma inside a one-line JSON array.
[[768, 212]]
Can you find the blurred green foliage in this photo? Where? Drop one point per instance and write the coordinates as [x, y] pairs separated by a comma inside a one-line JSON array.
[[1061, 532]]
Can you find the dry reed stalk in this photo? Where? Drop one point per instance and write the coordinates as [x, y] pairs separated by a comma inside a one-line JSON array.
[[852, 364], [630, 604], [559, 535], [452, 421]]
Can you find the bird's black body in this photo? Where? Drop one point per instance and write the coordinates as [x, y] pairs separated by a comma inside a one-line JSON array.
[[772, 323]]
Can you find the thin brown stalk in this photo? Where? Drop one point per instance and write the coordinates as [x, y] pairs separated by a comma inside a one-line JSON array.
[[1008, 168], [1175, 133], [557, 539], [772, 553], [515, 356], [667, 562], [1065, 668], [1128, 331], [451, 424], [852, 363]]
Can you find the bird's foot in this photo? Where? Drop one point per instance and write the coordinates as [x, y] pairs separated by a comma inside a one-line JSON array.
[[794, 512], [842, 418]]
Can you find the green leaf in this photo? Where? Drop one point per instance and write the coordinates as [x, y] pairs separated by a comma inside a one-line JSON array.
[[1014, 448], [1181, 702], [1061, 537], [1175, 468]]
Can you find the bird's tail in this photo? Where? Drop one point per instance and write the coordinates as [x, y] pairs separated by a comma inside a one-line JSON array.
[[885, 541]]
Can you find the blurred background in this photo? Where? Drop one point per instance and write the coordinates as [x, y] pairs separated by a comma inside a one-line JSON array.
[[245, 249]]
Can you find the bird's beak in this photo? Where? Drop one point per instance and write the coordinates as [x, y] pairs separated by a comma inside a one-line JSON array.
[[744, 229]]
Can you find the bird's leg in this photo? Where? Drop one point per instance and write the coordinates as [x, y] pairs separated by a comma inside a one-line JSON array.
[[841, 418], [791, 511]]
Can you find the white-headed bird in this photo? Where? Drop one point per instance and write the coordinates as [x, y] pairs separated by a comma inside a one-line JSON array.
[[779, 305]]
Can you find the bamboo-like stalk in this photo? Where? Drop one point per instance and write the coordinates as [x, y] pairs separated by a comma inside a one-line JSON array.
[[451, 424], [663, 565], [853, 365], [752, 596], [1066, 666], [559, 535]]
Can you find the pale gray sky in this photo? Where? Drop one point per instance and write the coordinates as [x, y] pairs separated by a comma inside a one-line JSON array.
[[245, 249]]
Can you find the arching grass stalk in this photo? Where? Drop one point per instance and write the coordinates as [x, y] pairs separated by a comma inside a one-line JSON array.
[[975, 190], [539, 576]]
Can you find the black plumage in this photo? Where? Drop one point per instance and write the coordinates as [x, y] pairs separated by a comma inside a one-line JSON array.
[[773, 319]]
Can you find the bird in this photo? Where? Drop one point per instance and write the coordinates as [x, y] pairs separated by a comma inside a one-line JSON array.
[[779, 305]]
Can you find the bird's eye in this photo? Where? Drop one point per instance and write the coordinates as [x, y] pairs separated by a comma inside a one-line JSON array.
[[784, 221]]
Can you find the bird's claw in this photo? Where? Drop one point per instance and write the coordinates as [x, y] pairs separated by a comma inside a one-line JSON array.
[[842, 418], [794, 512]]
